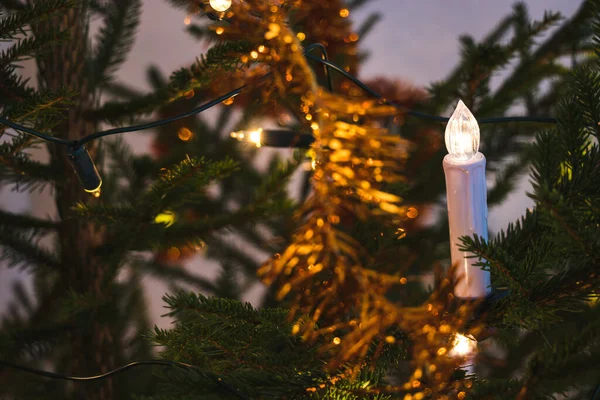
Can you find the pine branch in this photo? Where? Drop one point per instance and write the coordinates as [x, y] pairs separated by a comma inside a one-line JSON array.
[[20, 249], [115, 38], [21, 221], [33, 13], [587, 90], [31, 46], [43, 109], [16, 167], [183, 182], [221, 57], [173, 273]]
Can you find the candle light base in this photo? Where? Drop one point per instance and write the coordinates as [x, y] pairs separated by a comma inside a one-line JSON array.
[[466, 192]]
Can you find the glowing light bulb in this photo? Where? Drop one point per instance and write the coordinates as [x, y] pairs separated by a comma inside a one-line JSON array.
[[253, 136], [463, 346], [187, 20], [220, 5], [462, 134]]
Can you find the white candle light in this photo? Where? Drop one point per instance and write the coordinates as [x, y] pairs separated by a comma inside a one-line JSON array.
[[466, 191]]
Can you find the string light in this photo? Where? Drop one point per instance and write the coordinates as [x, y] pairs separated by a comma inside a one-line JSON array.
[[463, 346], [220, 5], [86, 171], [252, 136], [274, 30], [167, 218]]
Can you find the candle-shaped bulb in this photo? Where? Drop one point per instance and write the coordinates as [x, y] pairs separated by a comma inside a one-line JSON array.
[[462, 134], [220, 5]]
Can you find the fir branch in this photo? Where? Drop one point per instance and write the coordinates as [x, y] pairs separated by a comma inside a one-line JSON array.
[[13, 87], [32, 13], [506, 180], [223, 56], [179, 184], [20, 249], [108, 214], [31, 46], [16, 167], [21, 221], [172, 273], [43, 109], [115, 39], [587, 92], [483, 250]]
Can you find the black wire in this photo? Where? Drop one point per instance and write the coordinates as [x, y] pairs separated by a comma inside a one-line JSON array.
[[201, 108], [328, 66], [164, 363], [419, 114], [165, 121], [325, 57], [33, 132]]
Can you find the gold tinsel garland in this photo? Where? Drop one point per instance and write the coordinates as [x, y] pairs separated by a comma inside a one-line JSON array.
[[325, 272]]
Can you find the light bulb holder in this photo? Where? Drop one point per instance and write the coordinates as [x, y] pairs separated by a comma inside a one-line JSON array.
[[84, 167], [285, 138]]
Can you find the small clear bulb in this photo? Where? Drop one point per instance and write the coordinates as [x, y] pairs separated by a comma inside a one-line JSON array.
[[220, 5], [462, 134], [253, 136]]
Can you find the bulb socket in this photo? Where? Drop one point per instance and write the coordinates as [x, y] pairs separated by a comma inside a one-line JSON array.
[[285, 138], [84, 167]]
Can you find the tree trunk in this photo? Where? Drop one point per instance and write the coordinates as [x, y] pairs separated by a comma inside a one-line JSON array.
[[82, 272]]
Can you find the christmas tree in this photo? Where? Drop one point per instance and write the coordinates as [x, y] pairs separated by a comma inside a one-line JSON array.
[[353, 319]]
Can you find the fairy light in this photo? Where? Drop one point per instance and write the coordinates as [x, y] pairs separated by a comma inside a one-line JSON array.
[[463, 346], [166, 218], [220, 5], [187, 20], [252, 136], [184, 134]]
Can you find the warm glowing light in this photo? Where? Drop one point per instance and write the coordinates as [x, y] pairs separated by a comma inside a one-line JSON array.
[[173, 254], [344, 12], [184, 134], [462, 134], [301, 36], [254, 54], [220, 30], [412, 213], [187, 20], [220, 5], [463, 346], [253, 136], [337, 340], [95, 192], [167, 217]]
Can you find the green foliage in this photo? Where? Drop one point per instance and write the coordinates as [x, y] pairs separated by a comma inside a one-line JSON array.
[[115, 38], [252, 352]]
